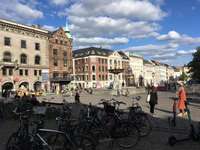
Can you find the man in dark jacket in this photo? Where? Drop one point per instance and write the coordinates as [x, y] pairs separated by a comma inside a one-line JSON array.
[[77, 97], [153, 99]]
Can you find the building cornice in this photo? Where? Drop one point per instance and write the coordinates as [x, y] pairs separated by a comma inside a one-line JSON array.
[[13, 27]]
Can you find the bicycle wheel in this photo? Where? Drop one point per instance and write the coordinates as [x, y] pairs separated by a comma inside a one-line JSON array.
[[129, 136], [84, 143], [13, 142], [143, 123]]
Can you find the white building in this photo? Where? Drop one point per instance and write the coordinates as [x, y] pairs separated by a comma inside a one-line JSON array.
[[137, 66], [149, 73]]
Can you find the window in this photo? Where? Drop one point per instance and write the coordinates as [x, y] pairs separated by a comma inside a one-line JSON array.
[[10, 72], [65, 59], [55, 62], [21, 72], [93, 77], [35, 72], [61, 42], [26, 72], [111, 62], [103, 77], [37, 60], [55, 75], [7, 41], [99, 77], [106, 77], [23, 59], [55, 52], [99, 68], [40, 72], [93, 68], [87, 77], [4, 71], [56, 41], [37, 46], [23, 44], [105, 61], [7, 57], [103, 68], [65, 75], [110, 77]]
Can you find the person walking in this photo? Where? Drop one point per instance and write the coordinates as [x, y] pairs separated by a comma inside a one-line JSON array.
[[153, 99], [77, 97], [181, 99]]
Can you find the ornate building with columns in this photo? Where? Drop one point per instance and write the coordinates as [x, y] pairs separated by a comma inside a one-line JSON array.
[[23, 56]]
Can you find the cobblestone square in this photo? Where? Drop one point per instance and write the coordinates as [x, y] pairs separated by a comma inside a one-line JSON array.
[[155, 141]]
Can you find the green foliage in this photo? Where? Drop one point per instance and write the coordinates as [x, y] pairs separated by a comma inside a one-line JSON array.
[[194, 65], [183, 77]]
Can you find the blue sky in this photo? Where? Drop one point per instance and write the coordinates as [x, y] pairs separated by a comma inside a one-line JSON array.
[[164, 30]]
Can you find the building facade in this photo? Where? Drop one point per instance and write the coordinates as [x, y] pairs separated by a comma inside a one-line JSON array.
[[137, 68], [93, 67], [60, 60], [149, 73], [23, 56]]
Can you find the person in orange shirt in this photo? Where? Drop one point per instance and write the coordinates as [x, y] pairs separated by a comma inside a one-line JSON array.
[[181, 99]]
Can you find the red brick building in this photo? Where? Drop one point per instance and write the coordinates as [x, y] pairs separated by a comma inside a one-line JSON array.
[[60, 60]]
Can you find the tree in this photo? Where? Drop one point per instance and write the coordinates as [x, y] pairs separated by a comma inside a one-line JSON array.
[[194, 65], [183, 77]]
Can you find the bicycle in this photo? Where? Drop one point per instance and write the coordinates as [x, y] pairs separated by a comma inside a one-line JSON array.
[[39, 139], [110, 126], [139, 118], [22, 139]]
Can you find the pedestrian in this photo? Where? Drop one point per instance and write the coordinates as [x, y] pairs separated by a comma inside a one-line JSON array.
[[153, 99], [181, 99], [77, 97], [34, 100]]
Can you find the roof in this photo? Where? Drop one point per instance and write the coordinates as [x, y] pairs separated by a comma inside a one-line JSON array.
[[91, 51], [24, 26], [147, 62], [67, 32], [123, 55], [131, 54]]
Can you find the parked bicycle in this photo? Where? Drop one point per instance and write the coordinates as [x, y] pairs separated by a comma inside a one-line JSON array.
[[43, 139], [139, 117], [109, 126]]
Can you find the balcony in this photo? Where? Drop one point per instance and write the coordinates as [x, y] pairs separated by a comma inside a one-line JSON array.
[[12, 64]]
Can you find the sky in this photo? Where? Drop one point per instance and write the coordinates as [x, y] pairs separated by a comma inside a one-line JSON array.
[[163, 30]]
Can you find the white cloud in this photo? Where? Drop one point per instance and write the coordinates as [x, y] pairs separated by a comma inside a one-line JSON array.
[[178, 38], [106, 26], [27, 12], [172, 35], [100, 41], [49, 28], [150, 48], [113, 18], [59, 2], [19, 11], [118, 8], [185, 52]]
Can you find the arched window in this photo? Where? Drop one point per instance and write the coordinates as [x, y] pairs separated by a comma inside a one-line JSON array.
[[7, 57], [37, 60], [23, 59]]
